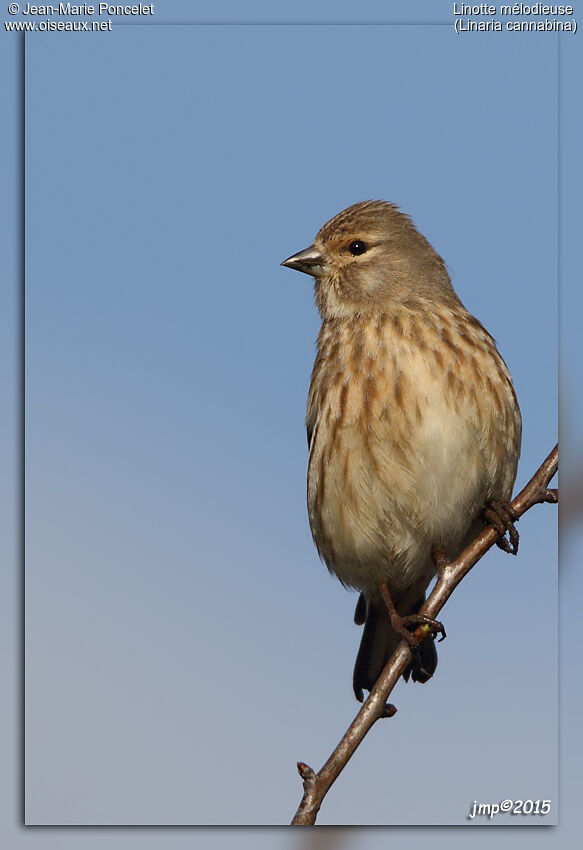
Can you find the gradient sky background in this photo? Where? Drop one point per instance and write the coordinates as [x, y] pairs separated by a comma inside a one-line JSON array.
[[184, 645]]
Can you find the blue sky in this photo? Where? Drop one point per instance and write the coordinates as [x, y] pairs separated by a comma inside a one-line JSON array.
[[180, 627]]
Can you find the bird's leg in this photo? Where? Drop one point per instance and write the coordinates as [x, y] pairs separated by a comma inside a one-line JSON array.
[[502, 517], [425, 626]]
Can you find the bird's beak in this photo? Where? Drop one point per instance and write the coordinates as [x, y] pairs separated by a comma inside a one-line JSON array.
[[309, 261]]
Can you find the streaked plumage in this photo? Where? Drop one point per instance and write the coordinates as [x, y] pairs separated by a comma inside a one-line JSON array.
[[413, 424]]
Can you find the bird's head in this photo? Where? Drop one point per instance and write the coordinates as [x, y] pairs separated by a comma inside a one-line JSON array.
[[369, 256]]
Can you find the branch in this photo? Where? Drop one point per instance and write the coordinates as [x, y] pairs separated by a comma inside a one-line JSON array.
[[317, 785]]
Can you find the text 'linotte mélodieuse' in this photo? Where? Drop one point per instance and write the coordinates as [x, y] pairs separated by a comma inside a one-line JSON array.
[[536, 17]]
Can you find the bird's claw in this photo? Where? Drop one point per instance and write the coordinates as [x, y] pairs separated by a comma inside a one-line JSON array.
[[425, 627], [414, 628], [501, 516]]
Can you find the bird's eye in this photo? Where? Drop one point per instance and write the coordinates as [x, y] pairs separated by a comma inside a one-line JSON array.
[[357, 247]]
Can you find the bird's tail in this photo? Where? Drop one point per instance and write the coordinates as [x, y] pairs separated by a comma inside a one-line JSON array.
[[378, 643]]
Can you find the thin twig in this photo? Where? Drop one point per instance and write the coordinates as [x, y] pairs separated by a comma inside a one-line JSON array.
[[317, 785]]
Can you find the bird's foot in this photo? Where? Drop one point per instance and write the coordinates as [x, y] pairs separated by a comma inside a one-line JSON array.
[[501, 516], [423, 627], [414, 628]]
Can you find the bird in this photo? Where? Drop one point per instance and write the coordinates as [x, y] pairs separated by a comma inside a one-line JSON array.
[[413, 427]]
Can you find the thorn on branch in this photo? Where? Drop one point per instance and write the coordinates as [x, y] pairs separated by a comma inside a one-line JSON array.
[[439, 558], [307, 774]]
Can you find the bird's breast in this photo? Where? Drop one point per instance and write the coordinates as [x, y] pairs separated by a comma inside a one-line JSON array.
[[405, 412]]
